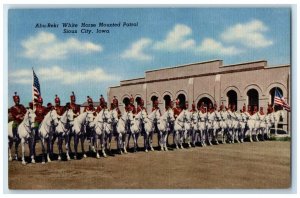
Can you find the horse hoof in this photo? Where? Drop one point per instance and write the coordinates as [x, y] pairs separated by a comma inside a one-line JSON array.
[[146, 151], [59, 158], [105, 156], [84, 155], [177, 147], [49, 160], [166, 149], [33, 161], [68, 158], [10, 159], [98, 157], [190, 146], [152, 149], [43, 162], [217, 142], [24, 163], [75, 157]]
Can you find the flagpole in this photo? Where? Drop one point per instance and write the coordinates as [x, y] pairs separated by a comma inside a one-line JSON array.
[[33, 105]]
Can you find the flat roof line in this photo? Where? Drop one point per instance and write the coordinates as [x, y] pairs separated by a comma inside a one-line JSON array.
[[170, 67], [244, 63]]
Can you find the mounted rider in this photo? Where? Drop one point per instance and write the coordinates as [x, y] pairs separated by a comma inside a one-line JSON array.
[[18, 112], [60, 110], [74, 106], [115, 105], [101, 104], [270, 109], [193, 107], [155, 106], [140, 106], [177, 110], [131, 104], [90, 106]]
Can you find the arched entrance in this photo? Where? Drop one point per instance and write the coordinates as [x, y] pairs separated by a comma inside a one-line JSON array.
[[167, 99], [182, 100], [205, 100], [272, 94], [232, 98], [253, 98], [126, 101]]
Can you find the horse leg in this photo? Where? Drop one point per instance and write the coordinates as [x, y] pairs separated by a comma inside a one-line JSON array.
[[23, 151], [151, 141], [97, 145], [30, 145], [76, 140], [43, 150], [10, 144], [124, 135], [17, 148], [48, 149], [146, 141], [103, 144], [134, 142], [128, 140], [82, 145], [67, 146], [59, 145], [165, 137]]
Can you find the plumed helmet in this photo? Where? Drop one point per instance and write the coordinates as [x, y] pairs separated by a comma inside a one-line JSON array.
[[49, 105], [72, 97], [89, 100], [16, 97], [56, 100], [40, 100], [101, 99]]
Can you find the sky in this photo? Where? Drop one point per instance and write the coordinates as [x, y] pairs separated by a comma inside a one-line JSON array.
[[162, 37]]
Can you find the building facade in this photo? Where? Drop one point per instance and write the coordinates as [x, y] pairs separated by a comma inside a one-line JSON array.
[[251, 83]]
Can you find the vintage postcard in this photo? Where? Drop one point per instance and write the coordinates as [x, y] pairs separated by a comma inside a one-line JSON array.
[[149, 98]]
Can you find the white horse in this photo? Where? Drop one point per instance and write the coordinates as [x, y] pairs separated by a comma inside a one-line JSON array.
[[62, 130], [202, 126], [212, 126], [137, 127], [224, 126], [179, 127], [110, 128], [149, 126], [25, 133], [163, 125], [243, 121], [253, 124], [123, 127], [235, 120], [79, 127], [46, 131], [277, 116], [102, 127], [265, 123], [188, 133]]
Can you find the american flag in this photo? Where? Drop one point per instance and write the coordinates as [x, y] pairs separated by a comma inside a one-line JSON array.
[[279, 100], [36, 92]]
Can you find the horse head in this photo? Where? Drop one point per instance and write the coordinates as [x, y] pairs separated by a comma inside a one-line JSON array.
[[54, 117], [89, 118], [114, 116], [170, 116], [70, 117], [30, 118]]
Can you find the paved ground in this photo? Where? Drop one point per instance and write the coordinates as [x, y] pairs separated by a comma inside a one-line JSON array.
[[248, 165]]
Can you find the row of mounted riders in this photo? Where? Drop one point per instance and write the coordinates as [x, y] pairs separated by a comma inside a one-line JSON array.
[[195, 126]]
